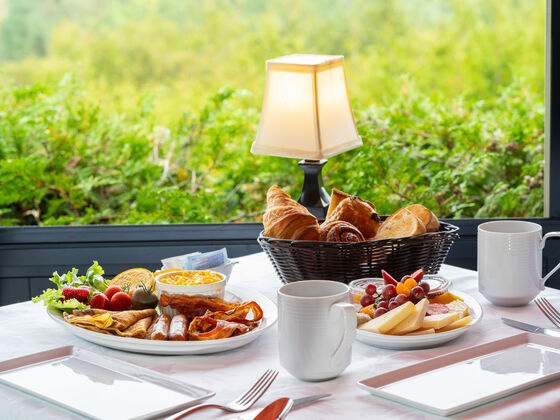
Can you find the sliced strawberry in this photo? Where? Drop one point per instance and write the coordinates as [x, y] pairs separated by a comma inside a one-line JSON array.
[[388, 278], [81, 293], [418, 275]]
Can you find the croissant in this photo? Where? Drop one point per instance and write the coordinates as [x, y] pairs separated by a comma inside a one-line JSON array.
[[287, 219], [336, 197], [359, 213], [339, 231]]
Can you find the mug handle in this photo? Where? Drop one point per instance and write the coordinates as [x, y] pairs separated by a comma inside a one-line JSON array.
[[555, 269], [349, 324]]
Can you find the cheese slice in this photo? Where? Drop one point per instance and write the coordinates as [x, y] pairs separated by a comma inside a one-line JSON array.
[[413, 321], [463, 322], [422, 332], [438, 321], [382, 324], [458, 306]]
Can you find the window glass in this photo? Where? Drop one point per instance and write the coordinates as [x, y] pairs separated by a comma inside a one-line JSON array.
[[144, 111]]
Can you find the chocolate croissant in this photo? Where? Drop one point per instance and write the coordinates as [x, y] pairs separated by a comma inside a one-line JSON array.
[[339, 231], [359, 213], [336, 197], [287, 219]]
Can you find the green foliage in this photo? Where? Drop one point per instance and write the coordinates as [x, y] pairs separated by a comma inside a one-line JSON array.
[[64, 162], [116, 112]]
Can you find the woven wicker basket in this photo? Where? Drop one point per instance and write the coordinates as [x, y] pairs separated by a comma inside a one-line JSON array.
[[347, 261]]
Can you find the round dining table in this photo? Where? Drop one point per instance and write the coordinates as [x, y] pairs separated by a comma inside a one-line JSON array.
[[25, 328]]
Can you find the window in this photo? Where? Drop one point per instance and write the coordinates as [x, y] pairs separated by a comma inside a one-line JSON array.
[[144, 112]]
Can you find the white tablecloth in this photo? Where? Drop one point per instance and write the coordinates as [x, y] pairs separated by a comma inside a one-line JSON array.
[[25, 328]]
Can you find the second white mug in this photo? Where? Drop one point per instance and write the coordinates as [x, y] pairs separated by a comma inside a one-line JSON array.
[[316, 328]]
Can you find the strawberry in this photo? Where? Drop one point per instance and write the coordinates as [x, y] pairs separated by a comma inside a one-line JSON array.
[[388, 278], [81, 293], [417, 275], [121, 301], [99, 301], [111, 290]]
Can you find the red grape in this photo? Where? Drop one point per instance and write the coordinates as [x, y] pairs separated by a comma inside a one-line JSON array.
[[383, 304], [401, 299], [366, 300], [404, 278], [379, 312], [389, 291], [417, 294], [393, 305], [425, 286], [371, 289]]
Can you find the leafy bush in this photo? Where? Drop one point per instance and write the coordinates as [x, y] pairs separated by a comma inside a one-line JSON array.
[[65, 161]]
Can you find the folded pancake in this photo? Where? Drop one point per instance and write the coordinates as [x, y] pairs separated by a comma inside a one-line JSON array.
[[124, 323], [192, 306]]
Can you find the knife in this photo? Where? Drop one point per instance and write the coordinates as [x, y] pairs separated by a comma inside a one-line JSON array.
[[530, 328], [281, 407]]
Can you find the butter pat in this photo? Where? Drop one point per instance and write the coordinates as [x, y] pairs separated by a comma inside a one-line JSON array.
[[422, 332], [463, 322], [438, 321], [384, 323], [413, 321]]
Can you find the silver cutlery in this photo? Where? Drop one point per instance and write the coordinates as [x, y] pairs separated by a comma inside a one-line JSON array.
[[242, 403], [283, 406], [531, 328], [550, 311]]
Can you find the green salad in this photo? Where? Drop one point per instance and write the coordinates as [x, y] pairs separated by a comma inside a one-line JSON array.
[[58, 298]]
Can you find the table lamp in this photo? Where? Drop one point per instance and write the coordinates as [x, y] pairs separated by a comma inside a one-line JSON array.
[[306, 114]]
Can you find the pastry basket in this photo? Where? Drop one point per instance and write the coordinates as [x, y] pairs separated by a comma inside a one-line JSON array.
[[347, 261]]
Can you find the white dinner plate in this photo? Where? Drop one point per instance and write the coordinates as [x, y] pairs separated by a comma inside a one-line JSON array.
[[137, 345], [399, 342]]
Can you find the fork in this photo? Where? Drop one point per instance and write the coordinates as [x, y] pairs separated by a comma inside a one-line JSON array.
[[242, 403], [550, 311]]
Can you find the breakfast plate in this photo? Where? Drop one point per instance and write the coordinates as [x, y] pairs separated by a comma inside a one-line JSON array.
[[399, 342], [136, 345]]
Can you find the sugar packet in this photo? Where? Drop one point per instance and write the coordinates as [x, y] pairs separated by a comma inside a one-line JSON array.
[[206, 260], [176, 262]]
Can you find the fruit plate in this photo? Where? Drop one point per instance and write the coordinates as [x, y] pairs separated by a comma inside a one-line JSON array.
[[398, 342], [138, 345]]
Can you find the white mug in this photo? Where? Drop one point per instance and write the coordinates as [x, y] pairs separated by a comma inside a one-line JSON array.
[[316, 328], [510, 261]]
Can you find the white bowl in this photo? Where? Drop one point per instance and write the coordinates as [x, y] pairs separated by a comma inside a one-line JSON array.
[[216, 289]]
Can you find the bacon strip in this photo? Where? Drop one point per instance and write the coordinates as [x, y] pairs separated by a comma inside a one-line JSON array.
[[193, 306], [205, 328]]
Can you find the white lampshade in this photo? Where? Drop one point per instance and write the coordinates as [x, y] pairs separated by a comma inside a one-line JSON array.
[[306, 111]]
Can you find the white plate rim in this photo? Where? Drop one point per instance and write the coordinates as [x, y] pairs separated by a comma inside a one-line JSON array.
[[137, 345], [398, 342]]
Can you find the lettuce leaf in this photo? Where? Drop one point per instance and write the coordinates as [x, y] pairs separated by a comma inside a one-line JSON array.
[[53, 298], [93, 278]]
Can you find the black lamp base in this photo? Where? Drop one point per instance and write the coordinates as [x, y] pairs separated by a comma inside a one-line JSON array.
[[314, 196]]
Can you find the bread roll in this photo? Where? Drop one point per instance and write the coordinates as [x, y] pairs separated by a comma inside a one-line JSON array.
[[336, 197], [287, 219], [339, 231], [426, 216], [359, 213], [401, 224]]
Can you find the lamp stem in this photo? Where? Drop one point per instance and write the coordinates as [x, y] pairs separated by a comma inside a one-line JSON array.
[[314, 196]]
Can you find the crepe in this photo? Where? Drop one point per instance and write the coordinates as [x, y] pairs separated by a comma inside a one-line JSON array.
[[124, 323]]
